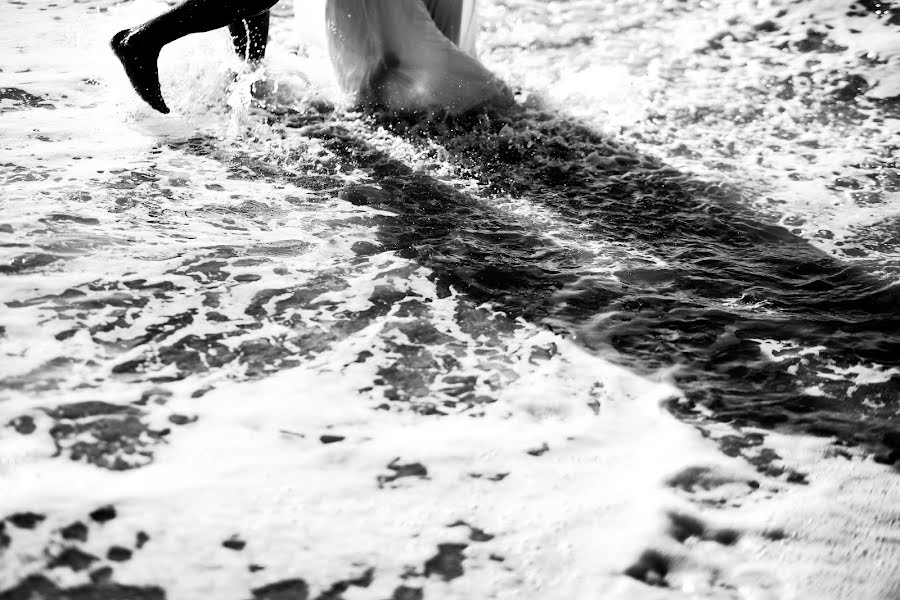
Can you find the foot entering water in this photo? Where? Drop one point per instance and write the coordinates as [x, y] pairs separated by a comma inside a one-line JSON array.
[[140, 66]]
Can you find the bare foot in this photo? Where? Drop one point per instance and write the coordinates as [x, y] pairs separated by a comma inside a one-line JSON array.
[[140, 66]]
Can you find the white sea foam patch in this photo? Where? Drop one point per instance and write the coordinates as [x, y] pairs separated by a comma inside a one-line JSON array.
[[571, 495], [842, 527], [575, 475]]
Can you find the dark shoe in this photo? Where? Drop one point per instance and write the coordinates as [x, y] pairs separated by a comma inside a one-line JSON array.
[[140, 66]]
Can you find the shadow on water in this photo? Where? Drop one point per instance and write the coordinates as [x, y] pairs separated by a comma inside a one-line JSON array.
[[727, 282]]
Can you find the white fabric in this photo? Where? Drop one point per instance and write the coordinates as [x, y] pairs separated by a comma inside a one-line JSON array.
[[469, 27], [456, 19], [391, 52]]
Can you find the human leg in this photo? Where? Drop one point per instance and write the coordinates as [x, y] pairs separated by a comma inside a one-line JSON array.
[[138, 48], [250, 36]]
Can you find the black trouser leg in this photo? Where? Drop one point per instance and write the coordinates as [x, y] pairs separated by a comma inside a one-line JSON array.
[[138, 48], [194, 16], [250, 36]]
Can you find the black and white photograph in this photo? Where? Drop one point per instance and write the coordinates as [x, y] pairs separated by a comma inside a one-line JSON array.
[[449, 300]]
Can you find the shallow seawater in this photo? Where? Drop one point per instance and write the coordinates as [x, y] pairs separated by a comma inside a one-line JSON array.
[[636, 337]]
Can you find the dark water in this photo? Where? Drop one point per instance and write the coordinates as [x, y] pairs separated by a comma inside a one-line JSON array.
[[729, 281]]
